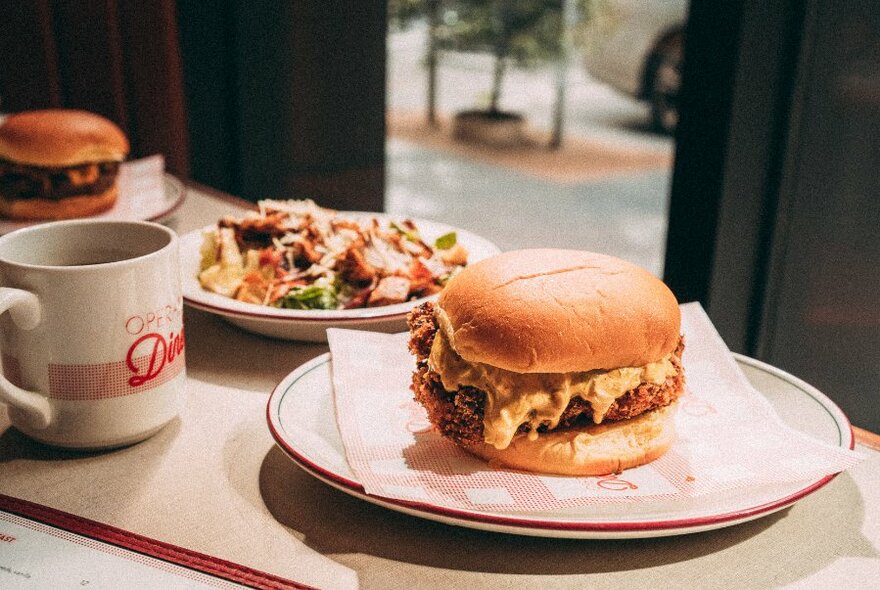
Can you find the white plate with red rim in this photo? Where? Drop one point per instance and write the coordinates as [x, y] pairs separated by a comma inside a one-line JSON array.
[[311, 324], [130, 205], [301, 418]]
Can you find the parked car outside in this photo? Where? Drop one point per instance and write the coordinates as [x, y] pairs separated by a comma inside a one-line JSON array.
[[636, 47]]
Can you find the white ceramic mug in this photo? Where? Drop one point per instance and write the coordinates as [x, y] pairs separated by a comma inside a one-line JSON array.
[[93, 345]]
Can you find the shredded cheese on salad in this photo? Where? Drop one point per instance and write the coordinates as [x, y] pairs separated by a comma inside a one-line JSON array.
[[296, 255]]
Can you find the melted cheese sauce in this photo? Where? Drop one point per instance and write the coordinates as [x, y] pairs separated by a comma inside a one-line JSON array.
[[84, 175], [513, 398]]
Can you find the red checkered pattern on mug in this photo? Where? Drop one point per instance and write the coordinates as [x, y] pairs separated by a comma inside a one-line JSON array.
[[106, 380]]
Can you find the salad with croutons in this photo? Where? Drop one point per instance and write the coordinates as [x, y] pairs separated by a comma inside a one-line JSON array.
[[294, 254]]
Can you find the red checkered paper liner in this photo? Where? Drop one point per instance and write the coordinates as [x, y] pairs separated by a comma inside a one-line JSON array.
[[729, 436]]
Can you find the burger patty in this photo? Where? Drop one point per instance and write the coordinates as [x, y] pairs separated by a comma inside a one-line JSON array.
[[21, 181], [459, 414]]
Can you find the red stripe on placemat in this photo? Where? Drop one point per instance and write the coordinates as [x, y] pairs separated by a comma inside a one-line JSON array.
[[107, 380], [144, 545]]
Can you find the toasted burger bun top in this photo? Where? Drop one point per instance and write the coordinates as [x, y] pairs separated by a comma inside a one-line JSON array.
[[60, 137], [558, 311]]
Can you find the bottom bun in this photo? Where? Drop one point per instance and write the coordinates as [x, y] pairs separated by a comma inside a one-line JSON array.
[[593, 450], [64, 208]]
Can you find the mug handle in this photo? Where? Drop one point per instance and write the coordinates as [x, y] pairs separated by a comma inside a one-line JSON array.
[[25, 310]]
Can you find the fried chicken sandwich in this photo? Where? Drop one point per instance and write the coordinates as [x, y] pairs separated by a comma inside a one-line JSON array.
[[552, 361], [58, 164]]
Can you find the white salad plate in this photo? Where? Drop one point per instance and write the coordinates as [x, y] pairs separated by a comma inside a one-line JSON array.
[[302, 420], [311, 324], [130, 206]]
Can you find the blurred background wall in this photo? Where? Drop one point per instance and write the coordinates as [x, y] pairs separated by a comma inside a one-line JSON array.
[[118, 59], [261, 99], [287, 99]]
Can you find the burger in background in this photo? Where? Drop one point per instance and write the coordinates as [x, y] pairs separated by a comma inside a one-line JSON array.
[[59, 164], [552, 361]]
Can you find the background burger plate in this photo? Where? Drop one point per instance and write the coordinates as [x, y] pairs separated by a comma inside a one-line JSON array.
[[302, 420], [130, 206], [311, 324]]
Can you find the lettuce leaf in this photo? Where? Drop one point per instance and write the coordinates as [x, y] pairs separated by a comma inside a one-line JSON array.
[[446, 241], [311, 297]]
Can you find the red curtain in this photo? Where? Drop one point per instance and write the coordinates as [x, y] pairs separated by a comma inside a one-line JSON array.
[[118, 58]]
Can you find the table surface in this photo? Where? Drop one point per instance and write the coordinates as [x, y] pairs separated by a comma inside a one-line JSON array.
[[213, 481]]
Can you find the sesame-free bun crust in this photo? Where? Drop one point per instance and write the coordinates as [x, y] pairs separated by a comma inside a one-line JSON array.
[[60, 137], [593, 450], [65, 208], [557, 311]]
